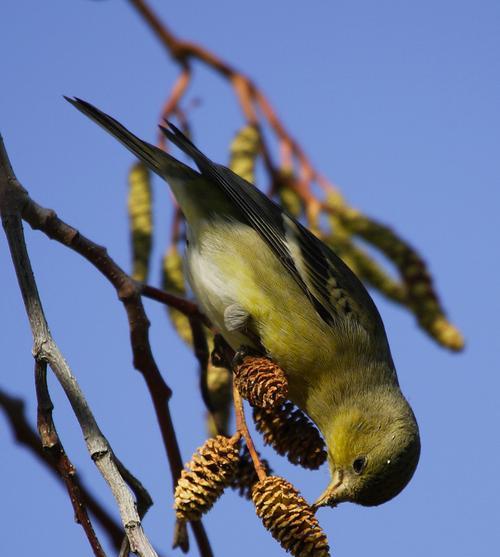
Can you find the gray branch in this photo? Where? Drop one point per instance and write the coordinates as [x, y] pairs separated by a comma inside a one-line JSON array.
[[46, 350]]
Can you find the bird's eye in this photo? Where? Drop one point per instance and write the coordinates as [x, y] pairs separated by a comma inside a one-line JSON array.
[[359, 464]]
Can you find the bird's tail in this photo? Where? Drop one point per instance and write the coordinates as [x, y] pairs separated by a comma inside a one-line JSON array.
[[157, 160]]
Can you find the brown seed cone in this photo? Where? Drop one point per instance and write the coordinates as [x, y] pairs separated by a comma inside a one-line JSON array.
[[246, 476], [289, 518], [210, 470], [290, 432], [260, 381]]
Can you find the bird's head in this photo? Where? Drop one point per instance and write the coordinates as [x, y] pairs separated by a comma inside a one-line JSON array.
[[373, 451]]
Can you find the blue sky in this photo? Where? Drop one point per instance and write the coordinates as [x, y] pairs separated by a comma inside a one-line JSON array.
[[397, 102]]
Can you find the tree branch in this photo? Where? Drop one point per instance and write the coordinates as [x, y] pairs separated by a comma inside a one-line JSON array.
[[26, 436], [128, 291], [13, 198], [52, 444], [248, 94], [189, 309], [241, 427]]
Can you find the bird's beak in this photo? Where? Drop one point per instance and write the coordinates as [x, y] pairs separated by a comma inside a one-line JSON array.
[[328, 497]]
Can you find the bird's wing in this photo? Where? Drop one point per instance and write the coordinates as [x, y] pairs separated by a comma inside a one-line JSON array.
[[335, 292]]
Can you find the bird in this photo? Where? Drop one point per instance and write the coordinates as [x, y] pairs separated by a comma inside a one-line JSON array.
[[265, 281]]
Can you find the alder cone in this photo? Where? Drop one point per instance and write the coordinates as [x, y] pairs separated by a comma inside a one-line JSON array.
[[260, 381], [292, 434], [291, 521], [202, 482]]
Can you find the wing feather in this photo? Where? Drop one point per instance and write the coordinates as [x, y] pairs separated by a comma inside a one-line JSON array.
[[333, 289]]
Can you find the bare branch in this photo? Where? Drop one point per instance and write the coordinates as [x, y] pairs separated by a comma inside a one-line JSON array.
[[171, 104], [26, 436], [46, 350], [241, 426], [128, 291], [189, 309], [51, 442]]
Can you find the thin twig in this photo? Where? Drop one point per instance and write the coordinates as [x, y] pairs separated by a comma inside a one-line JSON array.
[[26, 435], [180, 538], [177, 221], [144, 501], [200, 348], [241, 427], [247, 92], [52, 444], [170, 107], [244, 88], [189, 309]]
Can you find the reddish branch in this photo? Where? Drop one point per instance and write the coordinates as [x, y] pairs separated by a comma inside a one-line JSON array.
[[189, 309], [171, 104], [200, 348], [241, 426], [52, 444], [250, 97]]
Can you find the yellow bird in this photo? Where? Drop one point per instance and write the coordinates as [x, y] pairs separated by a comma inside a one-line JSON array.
[[265, 281]]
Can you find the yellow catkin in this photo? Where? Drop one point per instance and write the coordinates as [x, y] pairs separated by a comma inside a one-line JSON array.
[[366, 268], [422, 297], [140, 219], [289, 199], [173, 271], [243, 152], [288, 517], [419, 294], [219, 388], [173, 281]]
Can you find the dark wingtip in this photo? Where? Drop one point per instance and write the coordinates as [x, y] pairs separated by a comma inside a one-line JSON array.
[[172, 131], [168, 133], [173, 127], [80, 103], [75, 100]]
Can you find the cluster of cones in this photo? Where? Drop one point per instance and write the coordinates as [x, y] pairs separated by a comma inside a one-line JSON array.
[[222, 462]]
